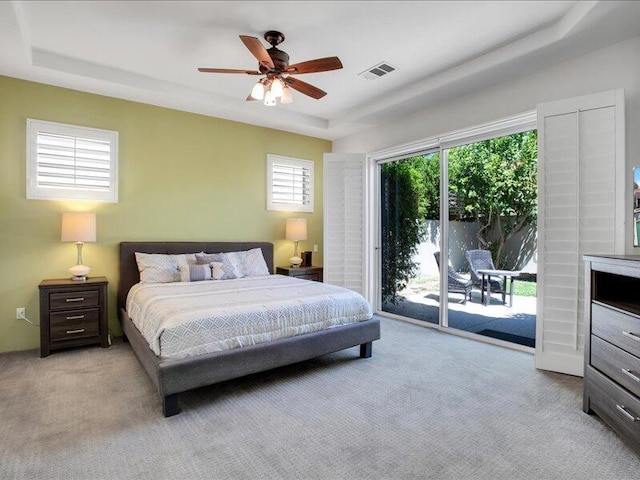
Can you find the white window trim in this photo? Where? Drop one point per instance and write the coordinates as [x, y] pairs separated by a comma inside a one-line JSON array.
[[37, 192], [293, 162]]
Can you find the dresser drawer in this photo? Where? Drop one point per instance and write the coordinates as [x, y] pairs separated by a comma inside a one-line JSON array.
[[615, 327], [76, 324], [614, 405], [66, 300], [617, 364]]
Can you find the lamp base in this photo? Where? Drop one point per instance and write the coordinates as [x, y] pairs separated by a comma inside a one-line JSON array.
[[79, 272], [295, 261]]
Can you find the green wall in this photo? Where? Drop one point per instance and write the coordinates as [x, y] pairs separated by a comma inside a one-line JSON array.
[[182, 176]]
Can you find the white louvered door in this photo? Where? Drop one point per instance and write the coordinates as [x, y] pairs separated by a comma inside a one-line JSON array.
[[344, 199], [581, 183]]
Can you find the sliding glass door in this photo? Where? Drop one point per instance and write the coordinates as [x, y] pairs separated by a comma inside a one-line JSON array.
[[409, 230], [467, 263]]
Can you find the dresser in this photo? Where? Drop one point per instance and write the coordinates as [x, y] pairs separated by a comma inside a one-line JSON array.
[[73, 313], [612, 343]]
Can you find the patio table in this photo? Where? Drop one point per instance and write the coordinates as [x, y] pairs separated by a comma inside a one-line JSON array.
[[505, 274]]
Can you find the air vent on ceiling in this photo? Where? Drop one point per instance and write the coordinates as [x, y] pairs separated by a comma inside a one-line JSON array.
[[377, 71]]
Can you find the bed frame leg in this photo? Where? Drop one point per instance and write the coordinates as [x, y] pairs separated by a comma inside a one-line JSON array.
[[365, 350], [170, 405]]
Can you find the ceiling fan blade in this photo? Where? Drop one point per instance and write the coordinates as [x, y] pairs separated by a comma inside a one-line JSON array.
[[314, 66], [228, 70], [304, 87], [257, 49]]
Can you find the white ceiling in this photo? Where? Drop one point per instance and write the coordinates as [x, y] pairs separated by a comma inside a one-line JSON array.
[[149, 51]]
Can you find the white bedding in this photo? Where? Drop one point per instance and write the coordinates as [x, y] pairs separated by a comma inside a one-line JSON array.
[[181, 320]]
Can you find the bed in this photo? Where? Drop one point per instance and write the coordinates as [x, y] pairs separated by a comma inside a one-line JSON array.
[[173, 376]]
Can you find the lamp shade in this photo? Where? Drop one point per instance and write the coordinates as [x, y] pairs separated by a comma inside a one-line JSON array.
[[296, 229], [78, 227]]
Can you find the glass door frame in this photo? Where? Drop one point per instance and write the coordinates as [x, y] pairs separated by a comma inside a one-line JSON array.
[[444, 213], [506, 126]]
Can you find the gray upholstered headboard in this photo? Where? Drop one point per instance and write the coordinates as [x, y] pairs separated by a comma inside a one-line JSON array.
[[129, 274]]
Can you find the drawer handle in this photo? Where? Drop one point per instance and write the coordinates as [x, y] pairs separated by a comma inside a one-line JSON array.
[[631, 335], [78, 317], [624, 411], [81, 299], [80, 330], [627, 372]]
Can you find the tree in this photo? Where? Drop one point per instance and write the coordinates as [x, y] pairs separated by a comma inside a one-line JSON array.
[[404, 204], [494, 183]]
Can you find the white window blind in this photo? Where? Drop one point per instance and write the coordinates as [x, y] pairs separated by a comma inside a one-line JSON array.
[[289, 184], [69, 162]]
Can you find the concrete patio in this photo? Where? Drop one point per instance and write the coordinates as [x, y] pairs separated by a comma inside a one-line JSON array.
[[515, 324]]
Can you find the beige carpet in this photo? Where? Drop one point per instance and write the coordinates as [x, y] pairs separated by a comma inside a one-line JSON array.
[[426, 405]]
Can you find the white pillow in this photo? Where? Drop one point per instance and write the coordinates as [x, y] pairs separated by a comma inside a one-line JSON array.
[[230, 266], [250, 263], [161, 268]]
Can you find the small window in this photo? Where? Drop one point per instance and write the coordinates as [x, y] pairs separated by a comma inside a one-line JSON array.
[[68, 162], [289, 184]]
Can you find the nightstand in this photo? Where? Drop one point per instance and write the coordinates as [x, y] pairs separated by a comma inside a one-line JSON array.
[[306, 273], [72, 313]]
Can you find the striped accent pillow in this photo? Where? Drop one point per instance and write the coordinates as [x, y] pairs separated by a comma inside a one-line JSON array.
[[194, 273]]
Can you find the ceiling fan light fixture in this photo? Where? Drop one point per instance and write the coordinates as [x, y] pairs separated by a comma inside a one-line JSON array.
[[277, 87], [269, 98], [278, 76], [258, 91], [286, 95]]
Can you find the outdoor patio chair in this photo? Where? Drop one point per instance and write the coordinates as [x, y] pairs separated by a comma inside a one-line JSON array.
[[456, 282], [481, 260]]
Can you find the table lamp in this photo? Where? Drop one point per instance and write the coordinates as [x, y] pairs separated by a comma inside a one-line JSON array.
[[296, 230], [79, 227]]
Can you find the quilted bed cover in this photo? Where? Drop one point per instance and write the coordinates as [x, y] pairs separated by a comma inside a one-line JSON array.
[[181, 320]]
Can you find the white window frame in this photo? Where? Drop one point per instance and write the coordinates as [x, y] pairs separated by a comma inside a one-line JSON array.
[[273, 160], [42, 192]]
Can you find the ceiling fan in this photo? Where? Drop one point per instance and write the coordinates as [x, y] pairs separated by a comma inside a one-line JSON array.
[[274, 65]]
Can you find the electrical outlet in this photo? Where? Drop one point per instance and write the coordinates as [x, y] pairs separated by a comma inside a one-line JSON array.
[[315, 248], [20, 313]]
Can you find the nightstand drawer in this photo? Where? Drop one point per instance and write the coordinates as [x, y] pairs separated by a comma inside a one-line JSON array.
[[616, 327], [70, 317], [75, 324], [309, 276], [84, 298], [305, 273], [616, 364]]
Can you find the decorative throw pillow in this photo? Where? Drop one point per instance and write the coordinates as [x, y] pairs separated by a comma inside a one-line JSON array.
[[161, 268], [230, 266], [217, 270], [206, 258], [194, 273]]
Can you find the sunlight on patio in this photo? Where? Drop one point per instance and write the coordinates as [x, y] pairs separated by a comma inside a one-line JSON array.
[[420, 300]]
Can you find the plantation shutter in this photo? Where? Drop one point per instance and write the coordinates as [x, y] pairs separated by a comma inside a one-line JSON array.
[[581, 183], [290, 184], [71, 162], [344, 221]]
